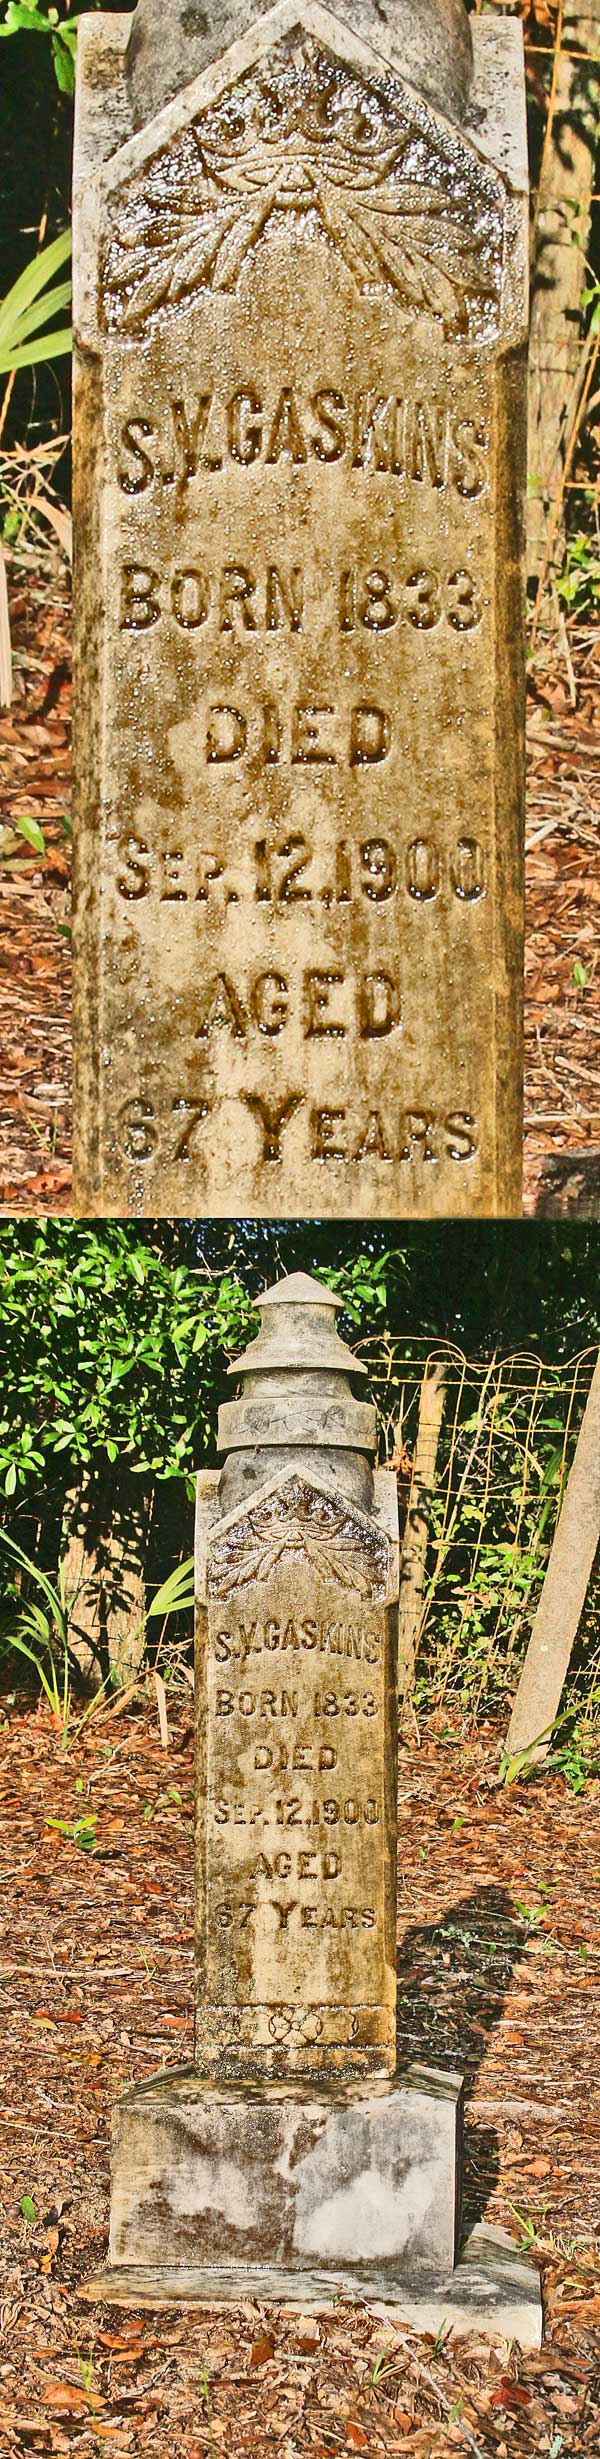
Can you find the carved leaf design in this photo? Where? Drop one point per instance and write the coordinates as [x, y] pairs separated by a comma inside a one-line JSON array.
[[310, 138], [306, 1527]]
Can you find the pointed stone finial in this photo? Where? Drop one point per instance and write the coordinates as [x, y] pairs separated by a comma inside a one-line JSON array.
[[299, 1289], [296, 1402], [428, 40]]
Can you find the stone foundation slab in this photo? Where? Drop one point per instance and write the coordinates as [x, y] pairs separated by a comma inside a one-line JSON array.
[[493, 2292]]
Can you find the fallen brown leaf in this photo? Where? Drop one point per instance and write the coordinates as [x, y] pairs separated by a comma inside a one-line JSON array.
[[510, 2395], [64, 2396]]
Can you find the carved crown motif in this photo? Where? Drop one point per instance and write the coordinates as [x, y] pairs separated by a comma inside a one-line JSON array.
[[304, 1526], [355, 159]]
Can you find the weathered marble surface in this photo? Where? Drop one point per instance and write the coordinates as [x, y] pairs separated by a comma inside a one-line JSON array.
[[300, 307], [296, 1786], [257, 2173]]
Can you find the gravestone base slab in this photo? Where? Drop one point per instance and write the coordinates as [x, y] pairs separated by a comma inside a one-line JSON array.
[[288, 2175], [493, 2292]]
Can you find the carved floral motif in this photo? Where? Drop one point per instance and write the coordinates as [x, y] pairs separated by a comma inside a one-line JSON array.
[[304, 1526], [356, 161]]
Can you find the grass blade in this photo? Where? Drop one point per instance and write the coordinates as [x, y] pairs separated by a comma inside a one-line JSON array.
[[177, 1593], [34, 278], [40, 313], [6, 681], [40, 1580], [56, 346], [51, 1690]]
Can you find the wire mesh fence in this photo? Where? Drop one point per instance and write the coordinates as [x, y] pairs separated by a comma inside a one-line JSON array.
[[507, 1438]]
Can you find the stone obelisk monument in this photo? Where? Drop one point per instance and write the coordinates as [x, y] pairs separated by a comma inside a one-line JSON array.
[[292, 2160]]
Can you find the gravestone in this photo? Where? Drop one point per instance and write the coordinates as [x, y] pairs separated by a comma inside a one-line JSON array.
[[300, 252], [293, 2161]]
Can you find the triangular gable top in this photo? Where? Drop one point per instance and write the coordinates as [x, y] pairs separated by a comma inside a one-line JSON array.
[[395, 190], [431, 39], [299, 1518], [249, 50]]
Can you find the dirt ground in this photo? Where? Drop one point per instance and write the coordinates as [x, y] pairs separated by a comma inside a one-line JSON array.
[[562, 1142], [499, 1961]]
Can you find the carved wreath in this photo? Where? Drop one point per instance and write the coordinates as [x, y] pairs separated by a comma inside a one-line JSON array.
[[302, 1526], [305, 136]]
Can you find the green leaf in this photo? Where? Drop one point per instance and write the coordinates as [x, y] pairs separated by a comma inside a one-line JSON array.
[[34, 835], [28, 2209], [64, 65], [35, 1574], [23, 17]]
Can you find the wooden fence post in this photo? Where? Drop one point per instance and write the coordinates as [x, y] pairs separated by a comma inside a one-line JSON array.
[[105, 1536], [558, 271]]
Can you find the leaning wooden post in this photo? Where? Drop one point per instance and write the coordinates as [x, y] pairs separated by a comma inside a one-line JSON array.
[[414, 1558], [563, 1595]]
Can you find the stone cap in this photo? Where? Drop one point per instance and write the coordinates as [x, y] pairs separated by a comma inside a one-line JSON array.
[[429, 41], [296, 1332]]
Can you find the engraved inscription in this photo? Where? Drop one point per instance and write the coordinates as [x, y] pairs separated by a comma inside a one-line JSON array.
[[423, 1138], [420, 442], [295, 1815], [277, 824], [235, 600], [273, 1703], [238, 600], [303, 1916], [291, 870], [330, 1004], [325, 1638], [303, 317]]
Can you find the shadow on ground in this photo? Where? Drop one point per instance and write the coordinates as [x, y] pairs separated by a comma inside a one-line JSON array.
[[455, 1974]]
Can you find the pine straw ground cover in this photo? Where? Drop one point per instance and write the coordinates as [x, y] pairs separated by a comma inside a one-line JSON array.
[[499, 1930], [563, 906], [35, 955]]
